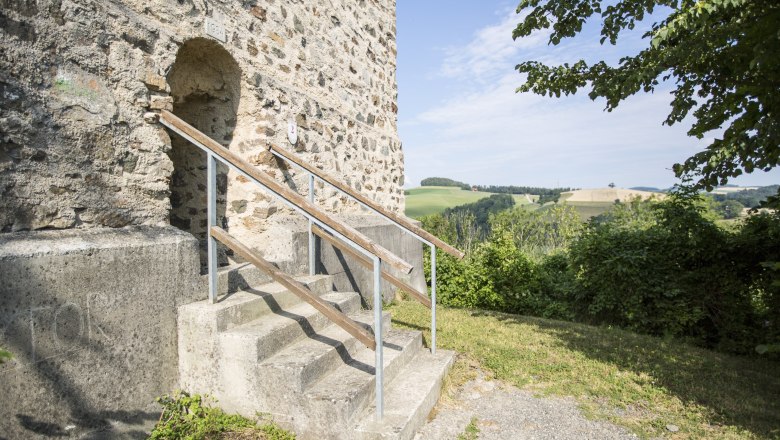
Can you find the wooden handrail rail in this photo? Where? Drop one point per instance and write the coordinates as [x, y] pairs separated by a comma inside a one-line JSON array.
[[332, 313], [286, 193], [419, 296], [403, 221]]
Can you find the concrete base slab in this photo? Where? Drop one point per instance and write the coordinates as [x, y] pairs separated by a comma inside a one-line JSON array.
[[90, 316], [348, 274]]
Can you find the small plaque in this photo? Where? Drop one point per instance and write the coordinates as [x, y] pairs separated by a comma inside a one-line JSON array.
[[292, 131], [215, 30]]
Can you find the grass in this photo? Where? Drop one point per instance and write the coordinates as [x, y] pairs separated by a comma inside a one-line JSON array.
[[640, 382], [426, 200], [471, 432]]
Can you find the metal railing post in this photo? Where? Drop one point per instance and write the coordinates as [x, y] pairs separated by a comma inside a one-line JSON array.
[[433, 299], [379, 361], [312, 262], [211, 190]]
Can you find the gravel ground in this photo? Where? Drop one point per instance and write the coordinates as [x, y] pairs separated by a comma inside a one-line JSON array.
[[505, 412]]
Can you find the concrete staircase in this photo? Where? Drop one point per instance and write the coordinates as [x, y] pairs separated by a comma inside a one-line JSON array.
[[262, 350]]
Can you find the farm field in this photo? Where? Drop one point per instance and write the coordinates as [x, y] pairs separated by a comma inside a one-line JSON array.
[[592, 202], [586, 210], [426, 200]]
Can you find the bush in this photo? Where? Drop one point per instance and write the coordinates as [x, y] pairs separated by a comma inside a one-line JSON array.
[[675, 272], [659, 267], [497, 275]]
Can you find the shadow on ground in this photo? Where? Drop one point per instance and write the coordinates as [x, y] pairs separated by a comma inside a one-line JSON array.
[[738, 391]]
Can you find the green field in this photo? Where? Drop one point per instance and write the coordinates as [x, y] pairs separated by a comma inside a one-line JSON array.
[[587, 210], [426, 200]]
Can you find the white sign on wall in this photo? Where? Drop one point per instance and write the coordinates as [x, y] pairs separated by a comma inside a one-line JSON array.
[[292, 131], [215, 30]]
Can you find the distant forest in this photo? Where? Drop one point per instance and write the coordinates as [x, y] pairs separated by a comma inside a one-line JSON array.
[[443, 181], [750, 198], [545, 194], [481, 210]]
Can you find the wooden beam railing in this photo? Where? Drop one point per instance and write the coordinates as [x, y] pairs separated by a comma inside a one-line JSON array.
[[170, 120], [366, 262], [400, 220], [335, 315]]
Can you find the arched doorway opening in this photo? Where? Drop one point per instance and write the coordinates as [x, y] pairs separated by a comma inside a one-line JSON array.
[[205, 84]]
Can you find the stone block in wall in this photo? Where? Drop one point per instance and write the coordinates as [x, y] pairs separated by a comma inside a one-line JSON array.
[[90, 317], [155, 82], [161, 103]]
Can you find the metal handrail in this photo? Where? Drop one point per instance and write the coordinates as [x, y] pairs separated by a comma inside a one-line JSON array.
[[216, 152], [402, 222]]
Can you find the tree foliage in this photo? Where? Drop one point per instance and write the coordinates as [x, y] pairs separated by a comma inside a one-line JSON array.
[[481, 210], [443, 181], [722, 56], [512, 189], [751, 198]]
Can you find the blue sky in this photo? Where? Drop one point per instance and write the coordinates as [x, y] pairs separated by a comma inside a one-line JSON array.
[[459, 116]]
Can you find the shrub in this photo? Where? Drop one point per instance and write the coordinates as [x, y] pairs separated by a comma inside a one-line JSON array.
[[497, 275], [675, 272], [658, 267]]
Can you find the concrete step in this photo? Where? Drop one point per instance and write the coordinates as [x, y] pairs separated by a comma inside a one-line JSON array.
[[249, 304], [234, 278], [409, 398], [333, 403], [260, 339], [299, 365], [201, 323]]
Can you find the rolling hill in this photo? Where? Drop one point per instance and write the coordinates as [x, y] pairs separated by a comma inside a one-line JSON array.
[[426, 200]]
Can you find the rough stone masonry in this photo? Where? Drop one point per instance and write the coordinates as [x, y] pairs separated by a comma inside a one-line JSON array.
[[78, 76]]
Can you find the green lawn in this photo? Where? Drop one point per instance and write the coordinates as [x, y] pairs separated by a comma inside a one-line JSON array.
[[640, 382], [426, 200]]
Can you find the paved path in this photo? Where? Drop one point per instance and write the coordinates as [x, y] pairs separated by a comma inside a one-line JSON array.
[[504, 412]]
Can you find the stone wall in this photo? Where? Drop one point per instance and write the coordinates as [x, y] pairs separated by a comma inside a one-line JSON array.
[[78, 76]]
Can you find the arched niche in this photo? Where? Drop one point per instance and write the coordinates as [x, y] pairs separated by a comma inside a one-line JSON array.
[[205, 84]]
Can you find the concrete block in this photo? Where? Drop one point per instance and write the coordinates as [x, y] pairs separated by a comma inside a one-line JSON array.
[[200, 324], [90, 316], [349, 275]]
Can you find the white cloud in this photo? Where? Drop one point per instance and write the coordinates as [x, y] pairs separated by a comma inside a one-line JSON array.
[[490, 52], [496, 136]]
